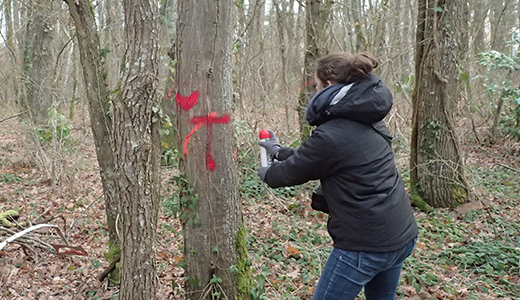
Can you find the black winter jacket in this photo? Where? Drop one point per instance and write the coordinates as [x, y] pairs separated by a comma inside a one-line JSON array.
[[348, 153]]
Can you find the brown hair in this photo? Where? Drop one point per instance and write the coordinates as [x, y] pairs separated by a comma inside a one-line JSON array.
[[342, 67]]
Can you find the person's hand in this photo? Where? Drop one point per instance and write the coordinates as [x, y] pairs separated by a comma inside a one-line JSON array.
[[272, 145], [261, 172]]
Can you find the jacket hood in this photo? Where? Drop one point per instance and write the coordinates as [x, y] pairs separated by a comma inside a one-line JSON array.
[[366, 101]]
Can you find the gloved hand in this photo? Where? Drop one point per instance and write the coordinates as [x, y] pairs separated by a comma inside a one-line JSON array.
[[262, 171], [272, 146]]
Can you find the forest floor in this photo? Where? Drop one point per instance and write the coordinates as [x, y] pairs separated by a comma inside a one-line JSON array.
[[472, 252]]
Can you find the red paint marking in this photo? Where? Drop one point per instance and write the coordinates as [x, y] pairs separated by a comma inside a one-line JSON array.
[[306, 84], [199, 122], [188, 102], [211, 162], [169, 96], [188, 138]]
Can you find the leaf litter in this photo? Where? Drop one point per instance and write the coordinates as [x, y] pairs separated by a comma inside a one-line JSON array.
[[288, 242]]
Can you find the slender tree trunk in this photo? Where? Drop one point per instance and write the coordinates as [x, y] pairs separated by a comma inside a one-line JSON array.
[[362, 43], [18, 10], [20, 66], [283, 45], [480, 14], [16, 89], [436, 165], [350, 42], [136, 150], [99, 109], [317, 15], [214, 237], [379, 36], [500, 24], [9, 25]]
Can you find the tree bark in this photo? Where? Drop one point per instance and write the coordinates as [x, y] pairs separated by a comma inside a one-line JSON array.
[[362, 43], [9, 25], [111, 41], [436, 166], [39, 58], [280, 12], [99, 109], [136, 150], [480, 14], [214, 237], [501, 22], [317, 15]]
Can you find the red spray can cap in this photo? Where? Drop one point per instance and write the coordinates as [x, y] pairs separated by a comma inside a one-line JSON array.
[[264, 134]]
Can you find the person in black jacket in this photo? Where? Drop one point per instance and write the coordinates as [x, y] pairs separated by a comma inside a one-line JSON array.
[[370, 219]]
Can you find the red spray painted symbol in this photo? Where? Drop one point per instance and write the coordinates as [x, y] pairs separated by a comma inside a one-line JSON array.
[[198, 122], [187, 103]]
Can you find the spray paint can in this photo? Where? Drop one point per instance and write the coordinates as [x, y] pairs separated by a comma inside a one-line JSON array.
[[264, 137]]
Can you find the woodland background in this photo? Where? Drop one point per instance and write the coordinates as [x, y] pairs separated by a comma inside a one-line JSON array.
[[49, 170]]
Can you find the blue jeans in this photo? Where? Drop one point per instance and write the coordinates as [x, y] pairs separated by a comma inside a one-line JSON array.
[[347, 272]]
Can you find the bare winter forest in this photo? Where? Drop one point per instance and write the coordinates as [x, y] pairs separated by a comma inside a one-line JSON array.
[[129, 130]]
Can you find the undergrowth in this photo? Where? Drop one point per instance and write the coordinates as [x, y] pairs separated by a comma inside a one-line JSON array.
[[475, 255], [470, 256]]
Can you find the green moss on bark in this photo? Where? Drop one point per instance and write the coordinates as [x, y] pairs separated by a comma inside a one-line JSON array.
[[459, 194], [113, 252], [244, 277], [418, 202]]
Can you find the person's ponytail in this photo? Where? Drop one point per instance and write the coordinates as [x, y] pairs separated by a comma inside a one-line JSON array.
[[342, 67]]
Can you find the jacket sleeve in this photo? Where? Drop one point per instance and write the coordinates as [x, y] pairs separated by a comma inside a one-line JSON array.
[[313, 160], [285, 152]]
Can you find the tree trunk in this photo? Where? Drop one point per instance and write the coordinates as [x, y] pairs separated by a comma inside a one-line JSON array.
[[317, 15], [501, 23], [136, 150], [215, 251], [280, 12], [9, 25], [362, 43], [480, 14], [99, 107], [111, 41], [436, 165], [39, 58]]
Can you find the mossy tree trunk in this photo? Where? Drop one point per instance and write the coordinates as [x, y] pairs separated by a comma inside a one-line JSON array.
[[215, 251], [436, 164]]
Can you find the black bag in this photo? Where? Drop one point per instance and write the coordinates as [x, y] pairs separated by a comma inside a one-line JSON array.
[[318, 202]]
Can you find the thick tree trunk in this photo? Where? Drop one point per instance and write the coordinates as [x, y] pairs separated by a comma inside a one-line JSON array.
[[39, 59], [136, 150], [214, 237], [436, 165], [100, 118]]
